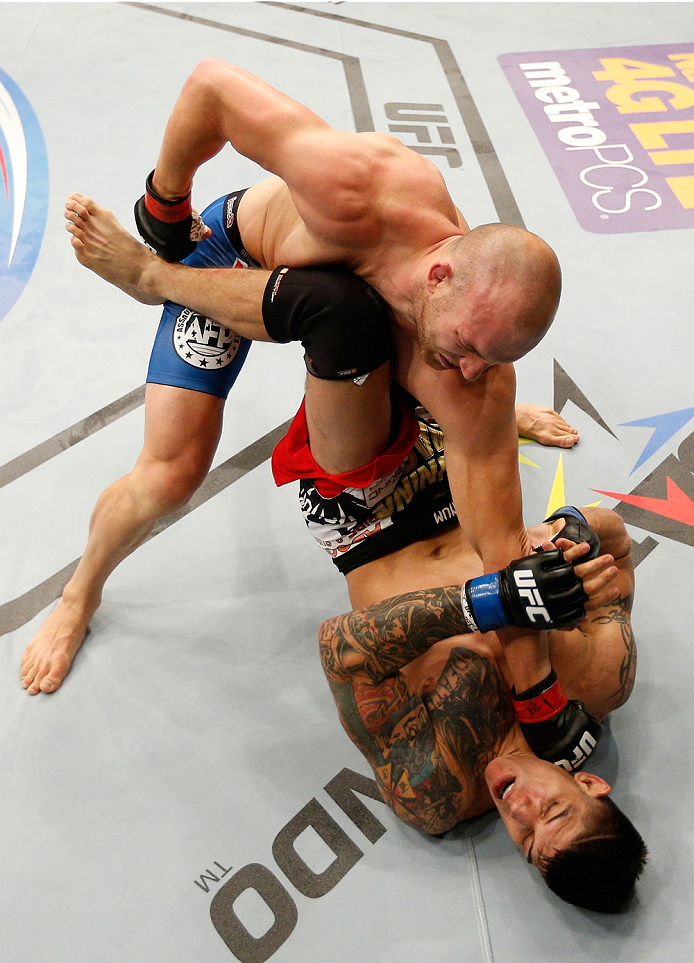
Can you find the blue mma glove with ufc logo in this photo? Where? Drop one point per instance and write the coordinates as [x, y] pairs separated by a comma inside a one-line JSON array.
[[538, 592], [576, 529]]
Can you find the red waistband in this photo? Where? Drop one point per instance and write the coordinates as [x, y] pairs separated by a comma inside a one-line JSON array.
[[292, 458]]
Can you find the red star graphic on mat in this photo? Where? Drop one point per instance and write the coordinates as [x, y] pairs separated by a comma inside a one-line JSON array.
[[675, 505]]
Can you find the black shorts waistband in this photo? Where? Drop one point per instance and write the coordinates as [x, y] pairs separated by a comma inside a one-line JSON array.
[[231, 205]]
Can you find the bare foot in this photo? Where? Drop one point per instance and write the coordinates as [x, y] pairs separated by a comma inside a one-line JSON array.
[[49, 655], [103, 245], [544, 425]]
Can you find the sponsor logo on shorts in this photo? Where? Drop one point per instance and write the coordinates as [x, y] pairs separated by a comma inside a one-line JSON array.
[[23, 191], [339, 544], [446, 515], [381, 487], [230, 216], [617, 126], [203, 343]]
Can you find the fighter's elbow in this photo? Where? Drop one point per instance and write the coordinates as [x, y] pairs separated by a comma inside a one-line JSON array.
[[610, 529], [205, 73], [339, 658], [210, 69], [215, 83]]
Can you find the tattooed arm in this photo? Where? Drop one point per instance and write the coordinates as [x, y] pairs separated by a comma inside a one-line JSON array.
[[385, 716], [378, 640], [613, 634]]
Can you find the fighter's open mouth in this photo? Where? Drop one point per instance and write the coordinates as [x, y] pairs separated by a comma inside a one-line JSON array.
[[505, 788]]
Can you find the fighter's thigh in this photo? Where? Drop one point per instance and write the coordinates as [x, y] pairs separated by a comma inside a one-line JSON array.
[[348, 424], [182, 430]]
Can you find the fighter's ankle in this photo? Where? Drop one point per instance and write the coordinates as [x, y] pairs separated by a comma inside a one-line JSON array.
[[168, 189], [82, 603]]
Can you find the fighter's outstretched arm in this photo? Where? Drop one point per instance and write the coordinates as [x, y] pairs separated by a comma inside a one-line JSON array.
[[381, 639], [481, 447]]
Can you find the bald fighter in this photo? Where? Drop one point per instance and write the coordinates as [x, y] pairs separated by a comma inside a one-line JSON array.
[[451, 306]]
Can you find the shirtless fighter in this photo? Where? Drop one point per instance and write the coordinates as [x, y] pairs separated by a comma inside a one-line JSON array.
[[458, 305], [449, 726]]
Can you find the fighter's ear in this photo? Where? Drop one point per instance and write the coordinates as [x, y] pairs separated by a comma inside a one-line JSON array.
[[440, 271], [592, 785]]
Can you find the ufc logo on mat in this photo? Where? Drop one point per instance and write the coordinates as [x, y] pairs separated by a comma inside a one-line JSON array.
[[527, 589]]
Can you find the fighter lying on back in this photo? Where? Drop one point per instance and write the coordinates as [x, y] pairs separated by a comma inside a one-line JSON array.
[[433, 708]]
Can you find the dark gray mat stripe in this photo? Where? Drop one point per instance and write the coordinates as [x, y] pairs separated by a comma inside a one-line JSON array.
[[65, 439], [352, 67], [19, 611]]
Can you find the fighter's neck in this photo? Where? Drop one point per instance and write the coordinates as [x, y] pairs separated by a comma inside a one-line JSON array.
[[399, 276]]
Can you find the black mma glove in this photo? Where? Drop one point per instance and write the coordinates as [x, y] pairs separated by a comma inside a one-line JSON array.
[[558, 730], [576, 530], [538, 592], [165, 225]]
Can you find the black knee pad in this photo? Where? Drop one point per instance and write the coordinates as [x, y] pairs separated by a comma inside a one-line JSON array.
[[339, 319]]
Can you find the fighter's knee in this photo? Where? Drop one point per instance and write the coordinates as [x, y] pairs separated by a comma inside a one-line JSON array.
[[167, 485], [610, 529], [340, 320]]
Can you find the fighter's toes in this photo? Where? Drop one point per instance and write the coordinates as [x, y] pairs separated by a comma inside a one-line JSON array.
[[567, 440], [49, 684], [545, 426], [30, 681], [44, 678]]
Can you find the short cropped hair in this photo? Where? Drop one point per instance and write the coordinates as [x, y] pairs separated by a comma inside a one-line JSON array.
[[600, 868]]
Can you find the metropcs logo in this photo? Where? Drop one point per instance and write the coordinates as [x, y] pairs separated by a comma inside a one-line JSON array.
[[617, 126], [23, 191]]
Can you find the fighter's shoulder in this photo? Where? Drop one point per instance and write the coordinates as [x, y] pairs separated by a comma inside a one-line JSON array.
[[403, 172], [459, 405]]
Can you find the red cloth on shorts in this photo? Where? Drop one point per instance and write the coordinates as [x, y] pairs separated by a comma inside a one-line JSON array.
[[292, 458]]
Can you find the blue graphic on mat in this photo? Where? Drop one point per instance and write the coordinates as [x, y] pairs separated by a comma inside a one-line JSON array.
[[664, 427], [23, 191]]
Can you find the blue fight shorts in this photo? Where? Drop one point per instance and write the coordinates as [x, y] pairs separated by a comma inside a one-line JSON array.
[[190, 350]]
